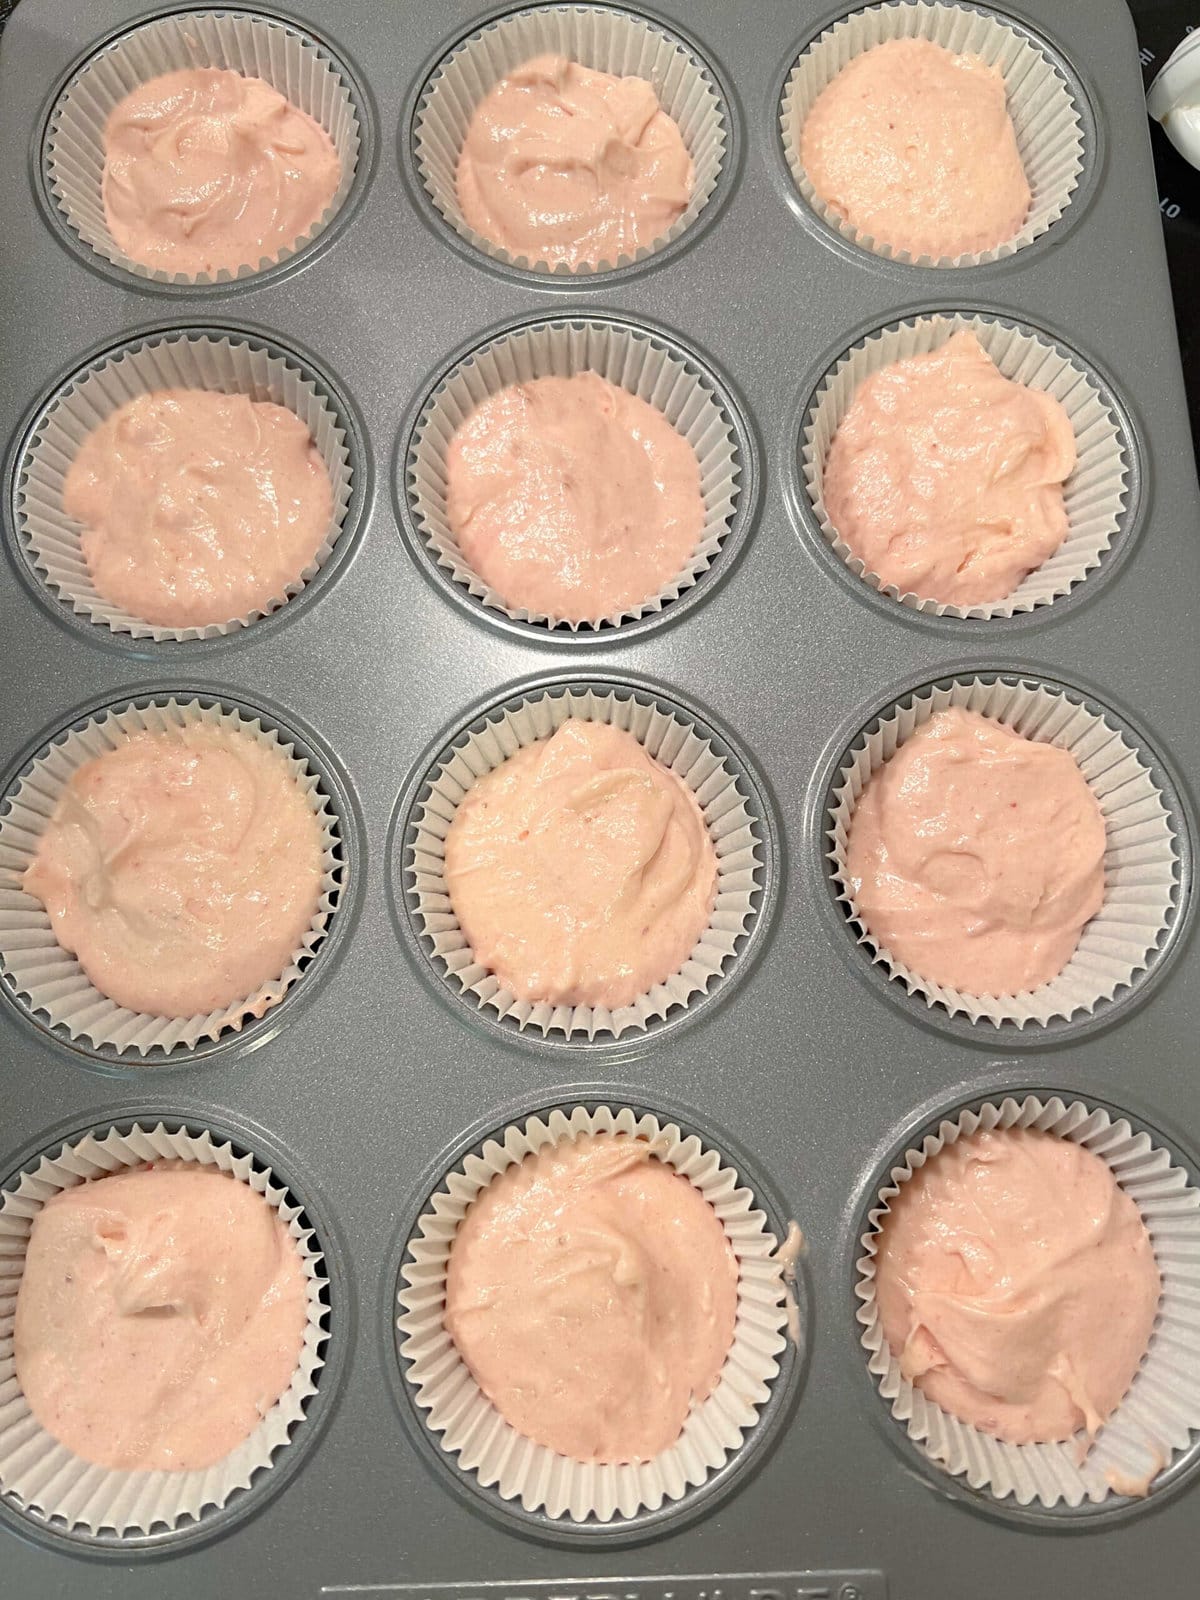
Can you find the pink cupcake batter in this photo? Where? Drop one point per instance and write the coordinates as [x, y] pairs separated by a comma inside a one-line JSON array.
[[975, 856], [572, 167], [572, 498], [592, 1292], [580, 870], [913, 146], [198, 507], [160, 1316], [181, 869], [206, 170], [1017, 1284], [945, 478]]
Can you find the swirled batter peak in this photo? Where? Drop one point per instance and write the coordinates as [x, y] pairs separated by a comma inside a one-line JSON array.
[[573, 167], [592, 1292], [160, 1316], [976, 856], [581, 870], [1017, 1284], [198, 507], [208, 170], [946, 478], [181, 869]]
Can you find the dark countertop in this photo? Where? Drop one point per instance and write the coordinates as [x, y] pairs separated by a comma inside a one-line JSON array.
[[1161, 24]]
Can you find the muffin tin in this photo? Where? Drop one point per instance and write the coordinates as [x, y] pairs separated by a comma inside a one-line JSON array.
[[52, 1481], [805, 1066], [521, 1478], [50, 986]]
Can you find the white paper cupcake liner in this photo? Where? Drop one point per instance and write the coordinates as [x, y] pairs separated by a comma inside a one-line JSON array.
[[1141, 862], [677, 744], [40, 1475], [222, 363], [469, 1426], [1094, 494], [1041, 104], [280, 53], [1160, 1414], [49, 981], [640, 363], [592, 36]]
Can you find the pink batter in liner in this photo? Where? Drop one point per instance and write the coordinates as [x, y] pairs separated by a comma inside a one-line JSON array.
[[207, 170], [571, 498], [976, 857], [1017, 1284], [181, 869], [945, 478], [572, 167], [580, 870], [160, 1316], [913, 145], [592, 1292], [198, 507]]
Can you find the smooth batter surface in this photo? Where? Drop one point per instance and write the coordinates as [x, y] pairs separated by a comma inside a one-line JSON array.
[[592, 1292], [160, 1316], [581, 871], [1017, 1283], [914, 146], [206, 169], [569, 166], [181, 869], [573, 498], [976, 856], [198, 507], [945, 478]]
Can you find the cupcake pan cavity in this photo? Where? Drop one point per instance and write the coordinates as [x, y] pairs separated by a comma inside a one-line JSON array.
[[467, 1426], [284, 55], [48, 982], [40, 1476], [1159, 1417], [1044, 105], [655, 369], [604, 38], [729, 802], [1096, 495], [797, 1057], [1141, 862], [225, 363]]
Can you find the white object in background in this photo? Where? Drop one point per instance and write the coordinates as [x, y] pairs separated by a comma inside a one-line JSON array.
[[1174, 98]]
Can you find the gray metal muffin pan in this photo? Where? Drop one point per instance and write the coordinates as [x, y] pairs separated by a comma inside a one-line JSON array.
[[372, 1076]]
